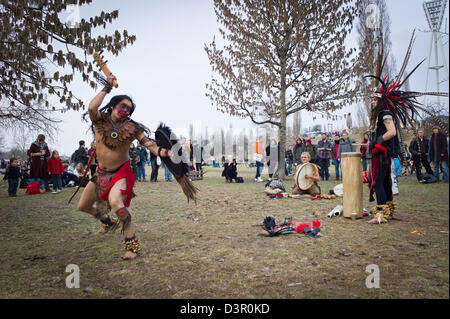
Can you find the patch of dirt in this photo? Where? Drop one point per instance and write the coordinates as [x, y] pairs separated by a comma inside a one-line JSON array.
[[214, 249]]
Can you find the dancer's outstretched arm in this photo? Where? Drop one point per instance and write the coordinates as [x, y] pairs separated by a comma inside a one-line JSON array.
[[152, 147]]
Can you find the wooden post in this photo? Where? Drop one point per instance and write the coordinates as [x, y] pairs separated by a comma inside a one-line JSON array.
[[352, 180]]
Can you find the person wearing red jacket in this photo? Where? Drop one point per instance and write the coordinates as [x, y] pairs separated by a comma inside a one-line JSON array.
[[55, 169]]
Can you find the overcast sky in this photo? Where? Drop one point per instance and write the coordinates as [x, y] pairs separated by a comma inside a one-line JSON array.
[[166, 69]]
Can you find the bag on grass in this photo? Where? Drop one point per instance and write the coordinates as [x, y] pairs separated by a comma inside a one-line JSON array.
[[33, 188], [239, 180]]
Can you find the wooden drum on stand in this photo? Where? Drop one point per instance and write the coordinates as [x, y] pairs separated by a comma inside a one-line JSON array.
[[352, 180]]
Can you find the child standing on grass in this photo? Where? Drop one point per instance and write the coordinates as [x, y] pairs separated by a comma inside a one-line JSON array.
[[13, 174], [55, 170]]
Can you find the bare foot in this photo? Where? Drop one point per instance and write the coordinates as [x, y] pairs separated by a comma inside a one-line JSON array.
[[129, 255], [102, 231], [375, 221]]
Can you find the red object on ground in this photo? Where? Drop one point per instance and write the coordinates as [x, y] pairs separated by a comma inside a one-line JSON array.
[[297, 223], [33, 188], [302, 227]]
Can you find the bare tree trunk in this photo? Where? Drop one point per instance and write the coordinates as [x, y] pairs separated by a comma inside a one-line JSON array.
[[282, 127]]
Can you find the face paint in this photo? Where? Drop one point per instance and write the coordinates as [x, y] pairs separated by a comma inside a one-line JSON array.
[[123, 111]]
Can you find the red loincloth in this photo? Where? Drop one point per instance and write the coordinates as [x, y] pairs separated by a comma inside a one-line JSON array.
[[123, 172]]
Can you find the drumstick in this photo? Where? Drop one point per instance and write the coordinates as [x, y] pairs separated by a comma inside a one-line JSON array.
[[103, 67], [360, 144]]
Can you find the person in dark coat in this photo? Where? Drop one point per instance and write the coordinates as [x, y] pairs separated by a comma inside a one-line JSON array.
[[39, 154], [419, 151], [311, 149], [345, 145], [133, 160], [81, 154], [272, 162], [437, 150], [142, 156], [230, 170], [335, 155], [324, 147], [297, 152], [155, 167], [289, 158], [25, 171], [12, 174], [363, 150], [197, 156]]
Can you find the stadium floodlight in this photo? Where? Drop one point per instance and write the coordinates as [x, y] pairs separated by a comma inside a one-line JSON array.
[[434, 11]]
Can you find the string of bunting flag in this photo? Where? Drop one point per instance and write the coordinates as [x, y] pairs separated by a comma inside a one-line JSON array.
[[329, 116]]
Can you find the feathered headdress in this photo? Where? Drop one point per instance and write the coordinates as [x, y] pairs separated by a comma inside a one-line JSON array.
[[402, 104]]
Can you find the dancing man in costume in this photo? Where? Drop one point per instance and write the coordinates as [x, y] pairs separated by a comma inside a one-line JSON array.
[[112, 185], [392, 108]]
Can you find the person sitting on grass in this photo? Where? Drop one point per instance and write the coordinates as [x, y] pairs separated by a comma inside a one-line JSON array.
[[314, 190], [25, 171], [68, 177], [230, 170], [79, 172]]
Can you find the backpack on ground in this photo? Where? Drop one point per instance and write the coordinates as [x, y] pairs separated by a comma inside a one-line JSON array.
[[33, 188]]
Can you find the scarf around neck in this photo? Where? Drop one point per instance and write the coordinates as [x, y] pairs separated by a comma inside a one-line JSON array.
[[41, 146]]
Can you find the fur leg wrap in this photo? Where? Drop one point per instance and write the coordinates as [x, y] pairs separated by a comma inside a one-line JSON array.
[[132, 244], [125, 218], [392, 208], [111, 223], [382, 213]]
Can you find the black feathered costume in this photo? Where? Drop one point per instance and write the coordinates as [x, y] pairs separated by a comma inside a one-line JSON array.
[[402, 107], [166, 139]]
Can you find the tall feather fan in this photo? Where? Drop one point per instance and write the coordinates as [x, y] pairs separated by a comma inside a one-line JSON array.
[[165, 139], [404, 104]]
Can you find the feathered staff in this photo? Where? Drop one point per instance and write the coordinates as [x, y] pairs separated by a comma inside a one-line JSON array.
[[165, 138]]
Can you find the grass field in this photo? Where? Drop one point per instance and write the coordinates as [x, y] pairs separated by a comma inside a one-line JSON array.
[[214, 249]]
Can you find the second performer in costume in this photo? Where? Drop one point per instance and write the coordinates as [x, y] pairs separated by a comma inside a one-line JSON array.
[[391, 109]]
